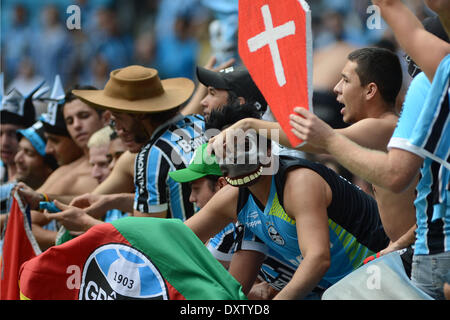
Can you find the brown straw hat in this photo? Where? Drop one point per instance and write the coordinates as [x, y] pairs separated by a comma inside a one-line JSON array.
[[138, 89]]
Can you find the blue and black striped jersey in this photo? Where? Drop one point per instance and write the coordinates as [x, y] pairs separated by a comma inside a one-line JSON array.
[[424, 129], [170, 148]]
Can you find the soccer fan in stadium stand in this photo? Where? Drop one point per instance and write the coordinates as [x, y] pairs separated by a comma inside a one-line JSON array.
[[16, 112], [371, 80], [295, 210], [153, 116], [416, 146], [68, 126], [32, 163]]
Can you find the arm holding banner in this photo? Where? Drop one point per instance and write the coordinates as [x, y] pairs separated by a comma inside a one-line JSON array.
[[32, 197], [393, 171], [370, 133]]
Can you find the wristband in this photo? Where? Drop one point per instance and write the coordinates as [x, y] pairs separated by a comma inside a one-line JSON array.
[[372, 257]]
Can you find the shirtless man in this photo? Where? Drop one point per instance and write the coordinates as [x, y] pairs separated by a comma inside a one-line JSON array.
[[33, 165], [73, 177], [370, 83], [119, 184]]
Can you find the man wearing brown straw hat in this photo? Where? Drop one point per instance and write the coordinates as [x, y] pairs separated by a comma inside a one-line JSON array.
[[148, 107]]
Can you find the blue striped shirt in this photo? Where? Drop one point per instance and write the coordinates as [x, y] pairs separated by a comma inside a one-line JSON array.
[[424, 129], [170, 148]]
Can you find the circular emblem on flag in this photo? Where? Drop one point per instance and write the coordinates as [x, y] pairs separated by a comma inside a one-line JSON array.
[[120, 272], [275, 236]]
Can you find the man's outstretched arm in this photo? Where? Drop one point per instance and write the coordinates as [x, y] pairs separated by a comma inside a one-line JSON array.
[[394, 170]]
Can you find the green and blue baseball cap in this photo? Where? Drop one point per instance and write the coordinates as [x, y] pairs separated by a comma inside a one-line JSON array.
[[201, 165]]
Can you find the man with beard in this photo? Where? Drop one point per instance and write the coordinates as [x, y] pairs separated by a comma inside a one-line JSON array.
[[139, 115], [152, 115]]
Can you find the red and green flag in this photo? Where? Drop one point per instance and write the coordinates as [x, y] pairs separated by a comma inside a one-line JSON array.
[[130, 258], [19, 245]]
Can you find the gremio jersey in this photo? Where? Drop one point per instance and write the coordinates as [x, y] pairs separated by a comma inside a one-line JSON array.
[[355, 227], [424, 129], [170, 148]]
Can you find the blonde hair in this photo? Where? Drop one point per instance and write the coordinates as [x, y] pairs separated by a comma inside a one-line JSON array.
[[100, 137]]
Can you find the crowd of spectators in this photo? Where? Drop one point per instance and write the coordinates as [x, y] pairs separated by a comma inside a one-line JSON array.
[[172, 36]]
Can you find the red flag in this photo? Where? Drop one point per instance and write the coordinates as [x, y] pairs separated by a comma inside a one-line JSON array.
[[19, 245], [275, 44]]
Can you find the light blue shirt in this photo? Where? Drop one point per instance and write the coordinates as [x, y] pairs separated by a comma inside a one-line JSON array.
[[424, 129]]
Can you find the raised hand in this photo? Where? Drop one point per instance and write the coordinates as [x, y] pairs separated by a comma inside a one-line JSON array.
[[310, 128]]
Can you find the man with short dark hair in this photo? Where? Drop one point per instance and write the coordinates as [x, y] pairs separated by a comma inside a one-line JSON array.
[[371, 66], [369, 106], [68, 125]]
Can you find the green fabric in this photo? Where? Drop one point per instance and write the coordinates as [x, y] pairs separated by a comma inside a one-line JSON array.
[[63, 236], [183, 260]]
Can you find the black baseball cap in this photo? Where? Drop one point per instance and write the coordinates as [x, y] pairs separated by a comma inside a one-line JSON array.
[[236, 79]]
